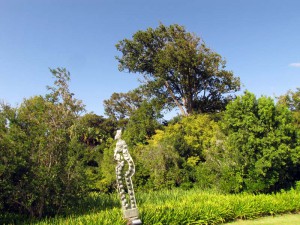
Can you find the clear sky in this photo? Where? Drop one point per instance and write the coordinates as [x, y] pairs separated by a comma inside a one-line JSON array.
[[260, 39]]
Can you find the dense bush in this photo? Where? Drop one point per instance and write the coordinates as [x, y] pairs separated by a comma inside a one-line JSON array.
[[142, 124], [262, 148], [41, 171], [172, 155], [252, 146], [95, 133]]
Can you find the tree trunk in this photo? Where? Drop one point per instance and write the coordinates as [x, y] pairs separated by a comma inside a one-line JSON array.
[[183, 112]]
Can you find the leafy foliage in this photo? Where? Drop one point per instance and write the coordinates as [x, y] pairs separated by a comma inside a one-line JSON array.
[[142, 124], [51, 155], [292, 100], [171, 155], [177, 65], [41, 173], [122, 105], [94, 133], [261, 144], [182, 207], [253, 147]]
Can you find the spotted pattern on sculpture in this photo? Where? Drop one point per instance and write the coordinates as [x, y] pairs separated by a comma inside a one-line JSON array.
[[122, 155]]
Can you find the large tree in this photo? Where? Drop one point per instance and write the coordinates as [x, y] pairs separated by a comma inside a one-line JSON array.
[[178, 65]]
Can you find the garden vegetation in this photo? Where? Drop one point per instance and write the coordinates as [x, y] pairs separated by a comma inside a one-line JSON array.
[[224, 157]]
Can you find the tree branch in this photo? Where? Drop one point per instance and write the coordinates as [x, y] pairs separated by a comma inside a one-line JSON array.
[[183, 112]]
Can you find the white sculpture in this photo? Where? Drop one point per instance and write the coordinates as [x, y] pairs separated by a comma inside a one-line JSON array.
[[121, 155]]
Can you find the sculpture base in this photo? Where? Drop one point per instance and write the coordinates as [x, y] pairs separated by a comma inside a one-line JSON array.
[[131, 213], [136, 222]]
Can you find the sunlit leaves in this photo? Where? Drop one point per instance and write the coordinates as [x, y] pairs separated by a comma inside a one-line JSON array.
[[179, 66]]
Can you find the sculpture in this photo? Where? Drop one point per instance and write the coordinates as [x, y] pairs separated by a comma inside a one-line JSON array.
[[121, 155]]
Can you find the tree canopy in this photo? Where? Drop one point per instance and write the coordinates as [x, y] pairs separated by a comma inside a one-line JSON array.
[[177, 65], [292, 100], [122, 105]]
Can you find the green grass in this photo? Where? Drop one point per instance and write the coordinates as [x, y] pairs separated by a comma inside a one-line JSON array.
[[292, 219], [180, 207]]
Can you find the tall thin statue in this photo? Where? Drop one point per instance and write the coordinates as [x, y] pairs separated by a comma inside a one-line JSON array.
[[121, 155]]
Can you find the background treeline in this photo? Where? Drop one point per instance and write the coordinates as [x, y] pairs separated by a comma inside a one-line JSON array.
[[53, 153]]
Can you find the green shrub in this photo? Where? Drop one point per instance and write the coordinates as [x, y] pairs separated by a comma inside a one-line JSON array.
[[41, 172], [261, 144]]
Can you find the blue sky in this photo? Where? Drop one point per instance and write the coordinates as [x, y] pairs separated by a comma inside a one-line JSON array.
[[260, 39]]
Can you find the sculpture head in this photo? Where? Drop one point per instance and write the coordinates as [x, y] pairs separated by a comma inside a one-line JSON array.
[[118, 134]]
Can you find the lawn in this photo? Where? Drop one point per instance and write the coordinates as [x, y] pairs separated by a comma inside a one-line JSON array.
[[290, 219]]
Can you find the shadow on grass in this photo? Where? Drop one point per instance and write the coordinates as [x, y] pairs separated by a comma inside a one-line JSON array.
[[94, 202]]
